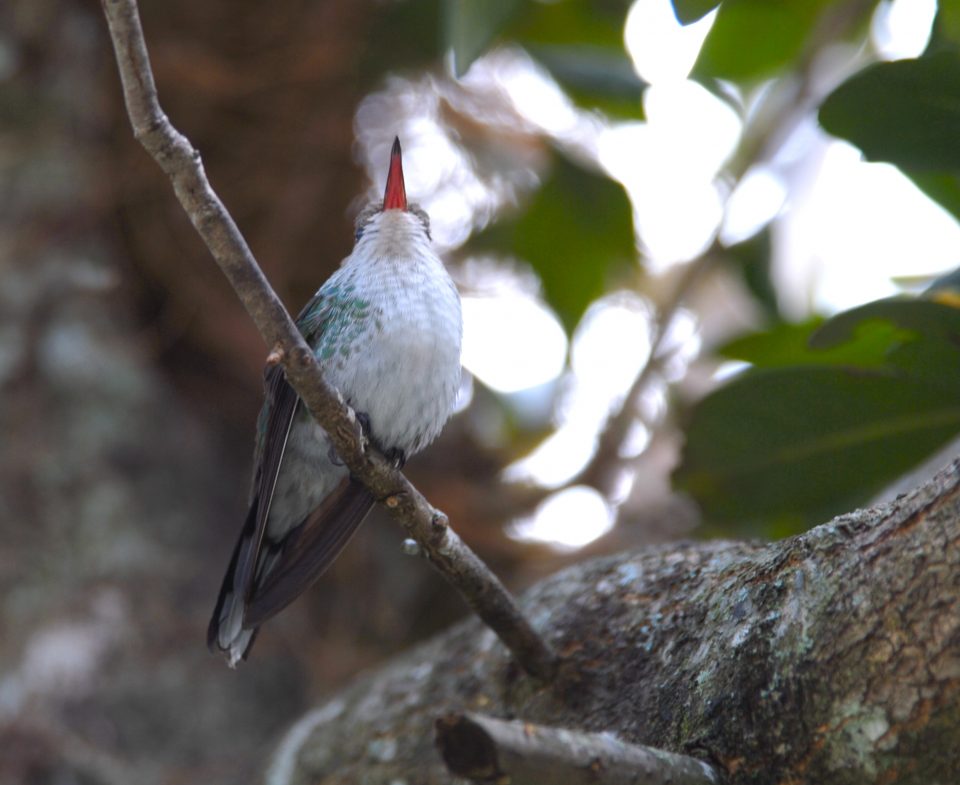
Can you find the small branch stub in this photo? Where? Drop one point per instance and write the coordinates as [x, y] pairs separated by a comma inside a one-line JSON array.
[[276, 355], [485, 749], [439, 522]]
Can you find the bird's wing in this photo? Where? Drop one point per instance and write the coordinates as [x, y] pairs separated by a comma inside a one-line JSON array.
[[309, 550], [276, 418], [273, 430], [301, 557], [281, 408]]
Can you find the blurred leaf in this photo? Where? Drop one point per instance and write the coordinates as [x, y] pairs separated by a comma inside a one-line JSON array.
[[596, 23], [783, 344], [580, 42], [925, 346], [931, 320], [469, 27], [866, 337], [832, 413], [809, 442], [688, 11], [577, 230], [752, 39], [595, 77], [787, 345], [946, 27], [942, 187], [906, 112], [752, 258]]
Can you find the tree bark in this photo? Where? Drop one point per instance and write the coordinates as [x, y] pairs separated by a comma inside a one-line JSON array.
[[483, 749], [833, 656]]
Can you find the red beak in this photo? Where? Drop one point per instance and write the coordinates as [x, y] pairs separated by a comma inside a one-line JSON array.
[[395, 196]]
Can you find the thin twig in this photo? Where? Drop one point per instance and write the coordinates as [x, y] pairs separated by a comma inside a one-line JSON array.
[[485, 749], [481, 589]]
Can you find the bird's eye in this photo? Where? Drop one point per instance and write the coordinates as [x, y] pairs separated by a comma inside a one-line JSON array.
[[364, 219]]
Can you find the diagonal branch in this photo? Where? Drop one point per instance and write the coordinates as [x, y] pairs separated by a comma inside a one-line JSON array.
[[481, 589]]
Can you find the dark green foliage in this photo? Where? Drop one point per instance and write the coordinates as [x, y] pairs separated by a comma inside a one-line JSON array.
[[753, 39], [830, 414], [576, 233], [470, 26], [751, 259], [580, 42], [831, 410], [906, 112], [595, 77]]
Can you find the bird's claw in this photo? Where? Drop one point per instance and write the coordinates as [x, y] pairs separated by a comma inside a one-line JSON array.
[[364, 419]]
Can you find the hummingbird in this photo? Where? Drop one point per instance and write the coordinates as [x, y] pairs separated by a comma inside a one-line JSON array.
[[386, 328]]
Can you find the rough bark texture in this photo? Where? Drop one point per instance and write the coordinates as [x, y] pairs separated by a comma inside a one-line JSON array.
[[833, 657]]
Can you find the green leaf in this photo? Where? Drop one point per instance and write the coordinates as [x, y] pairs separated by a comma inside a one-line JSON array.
[[832, 413], [469, 27], [946, 27], [597, 23], [580, 42], [575, 233], [753, 39], [925, 344], [906, 112], [942, 187], [595, 77], [931, 320], [751, 258], [871, 336], [689, 11], [809, 442], [786, 345]]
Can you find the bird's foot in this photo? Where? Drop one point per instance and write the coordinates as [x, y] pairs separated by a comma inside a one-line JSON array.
[[396, 456], [364, 419]]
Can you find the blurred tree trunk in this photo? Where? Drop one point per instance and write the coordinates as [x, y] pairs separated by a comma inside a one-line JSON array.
[[130, 377], [833, 657]]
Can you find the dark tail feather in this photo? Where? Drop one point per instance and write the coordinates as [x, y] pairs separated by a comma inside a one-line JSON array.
[[242, 551], [309, 550]]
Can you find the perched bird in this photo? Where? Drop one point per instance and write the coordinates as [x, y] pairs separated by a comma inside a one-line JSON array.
[[386, 328]]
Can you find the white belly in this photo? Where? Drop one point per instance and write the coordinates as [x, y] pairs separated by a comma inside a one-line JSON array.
[[403, 371]]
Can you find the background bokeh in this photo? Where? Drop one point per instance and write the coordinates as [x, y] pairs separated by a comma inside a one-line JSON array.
[[618, 197]]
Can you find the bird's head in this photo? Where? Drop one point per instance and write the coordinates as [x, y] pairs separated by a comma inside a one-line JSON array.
[[395, 216]]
